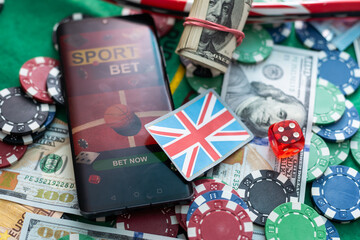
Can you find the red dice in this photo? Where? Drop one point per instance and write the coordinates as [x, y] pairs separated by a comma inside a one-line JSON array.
[[286, 138]]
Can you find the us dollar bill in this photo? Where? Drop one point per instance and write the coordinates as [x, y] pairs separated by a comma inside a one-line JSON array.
[[211, 48], [281, 87], [40, 227], [44, 177], [12, 217]]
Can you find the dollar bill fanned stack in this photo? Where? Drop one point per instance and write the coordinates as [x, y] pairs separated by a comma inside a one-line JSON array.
[[211, 48]]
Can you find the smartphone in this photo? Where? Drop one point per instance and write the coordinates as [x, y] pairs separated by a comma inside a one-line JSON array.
[[115, 82]]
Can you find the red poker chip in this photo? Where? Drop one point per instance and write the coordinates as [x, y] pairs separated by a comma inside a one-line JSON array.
[[183, 212], [185, 208], [154, 220], [163, 23], [220, 219], [33, 75], [9, 154], [178, 215]]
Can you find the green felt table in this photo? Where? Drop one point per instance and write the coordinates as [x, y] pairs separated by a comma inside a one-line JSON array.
[[25, 32]]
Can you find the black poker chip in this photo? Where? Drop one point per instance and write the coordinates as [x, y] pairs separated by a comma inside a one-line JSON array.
[[263, 191], [53, 83], [21, 140], [73, 17], [33, 137], [19, 114]]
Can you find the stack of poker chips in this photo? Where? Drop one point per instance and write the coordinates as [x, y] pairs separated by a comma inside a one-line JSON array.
[[216, 206], [336, 120], [27, 111]]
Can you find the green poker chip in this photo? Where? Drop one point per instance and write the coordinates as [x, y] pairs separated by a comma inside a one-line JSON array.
[[291, 220], [256, 46], [329, 103], [338, 152], [201, 84], [355, 147], [318, 158], [76, 236]]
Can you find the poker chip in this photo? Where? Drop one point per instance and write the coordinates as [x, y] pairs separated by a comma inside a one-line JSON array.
[[329, 103], [33, 75], [19, 114], [290, 220], [178, 216], [73, 17], [319, 158], [311, 38], [355, 147], [264, 190], [21, 140], [184, 211], [256, 46], [212, 195], [338, 152], [10, 154], [31, 138], [220, 219], [201, 84], [50, 118], [337, 193], [331, 232], [76, 236], [196, 70], [202, 185], [154, 220], [343, 129], [53, 84], [340, 69], [163, 23], [279, 31]]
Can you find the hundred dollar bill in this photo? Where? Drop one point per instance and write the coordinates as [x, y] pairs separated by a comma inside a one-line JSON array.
[[281, 87], [211, 48], [44, 177], [12, 218], [40, 227]]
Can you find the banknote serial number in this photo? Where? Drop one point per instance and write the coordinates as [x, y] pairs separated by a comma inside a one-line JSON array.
[[50, 182]]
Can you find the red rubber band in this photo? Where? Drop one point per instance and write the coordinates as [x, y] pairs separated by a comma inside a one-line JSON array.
[[239, 35]]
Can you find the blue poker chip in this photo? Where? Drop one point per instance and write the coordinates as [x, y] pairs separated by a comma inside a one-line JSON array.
[[311, 38], [331, 232], [279, 31], [343, 129], [50, 118], [340, 69], [337, 194], [213, 195]]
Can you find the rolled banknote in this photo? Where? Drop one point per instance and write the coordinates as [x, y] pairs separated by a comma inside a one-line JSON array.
[[209, 47]]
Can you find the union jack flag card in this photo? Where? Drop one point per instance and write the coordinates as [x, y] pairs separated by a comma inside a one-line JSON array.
[[200, 134]]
